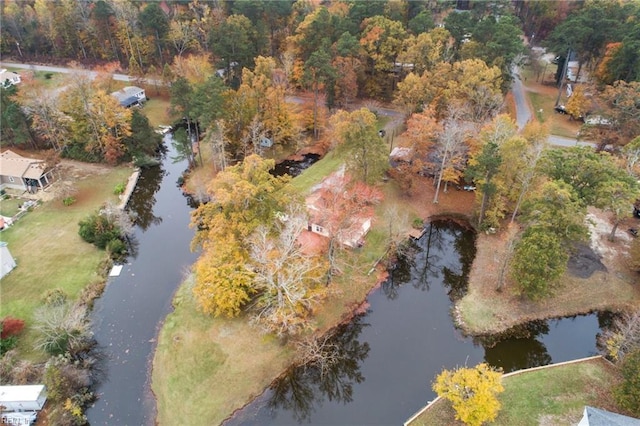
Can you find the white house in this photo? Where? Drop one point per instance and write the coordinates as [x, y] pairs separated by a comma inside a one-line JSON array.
[[23, 398], [130, 96], [8, 78]]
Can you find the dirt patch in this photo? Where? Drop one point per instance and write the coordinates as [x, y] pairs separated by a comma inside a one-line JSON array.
[[584, 261]]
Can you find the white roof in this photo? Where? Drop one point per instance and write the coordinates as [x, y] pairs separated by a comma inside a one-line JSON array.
[[20, 393]]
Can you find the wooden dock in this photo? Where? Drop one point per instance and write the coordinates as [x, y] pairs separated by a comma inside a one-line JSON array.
[[131, 185]]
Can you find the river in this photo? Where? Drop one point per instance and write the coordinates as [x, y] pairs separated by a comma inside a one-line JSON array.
[[127, 316], [386, 359], [390, 355]]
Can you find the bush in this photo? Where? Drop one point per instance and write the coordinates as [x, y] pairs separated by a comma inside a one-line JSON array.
[[54, 297], [117, 249], [627, 393], [119, 189], [64, 329], [67, 201], [98, 230], [473, 392], [7, 344], [11, 327], [68, 386]]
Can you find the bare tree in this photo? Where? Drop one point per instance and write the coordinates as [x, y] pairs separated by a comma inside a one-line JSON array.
[[623, 337], [285, 276], [450, 147], [62, 327]]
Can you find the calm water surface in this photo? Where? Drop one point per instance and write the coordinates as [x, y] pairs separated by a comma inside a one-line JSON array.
[[127, 316], [390, 355]]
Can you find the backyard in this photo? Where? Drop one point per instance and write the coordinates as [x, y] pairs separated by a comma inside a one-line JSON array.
[[547, 396], [47, 248]]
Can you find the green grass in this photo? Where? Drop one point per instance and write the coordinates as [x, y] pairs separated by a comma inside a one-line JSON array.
[[50, 254], [540, 104], [48, 78], [157, 111], [212, 366], [555, 395], [314, 174], [9, 206]]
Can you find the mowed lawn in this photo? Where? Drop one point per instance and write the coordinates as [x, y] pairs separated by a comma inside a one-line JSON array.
[[550, 396], [49, 252]]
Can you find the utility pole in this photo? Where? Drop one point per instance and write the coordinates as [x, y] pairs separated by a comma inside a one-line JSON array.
[[563, 76]]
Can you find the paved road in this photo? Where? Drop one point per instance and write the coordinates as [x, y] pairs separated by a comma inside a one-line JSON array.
[[92, 74], [523, 111], [524, 114]]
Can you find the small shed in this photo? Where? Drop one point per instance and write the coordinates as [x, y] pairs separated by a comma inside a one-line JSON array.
[[7, 261], [23, 398], [597, 417]]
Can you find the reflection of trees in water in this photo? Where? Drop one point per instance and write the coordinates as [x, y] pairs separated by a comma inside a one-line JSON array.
[[423, 261], [330, 375], [517, 348], [465, 247], [427, 261], [133, 246], [401, 272], [143, 198]]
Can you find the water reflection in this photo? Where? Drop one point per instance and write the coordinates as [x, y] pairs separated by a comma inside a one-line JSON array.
[[408, 340], [518, 348], [143, 199], [330, 376], [422, 262]]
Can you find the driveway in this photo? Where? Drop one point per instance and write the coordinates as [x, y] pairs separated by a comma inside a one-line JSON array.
[[524, 114]]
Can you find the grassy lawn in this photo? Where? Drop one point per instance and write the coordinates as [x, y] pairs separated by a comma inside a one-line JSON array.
[[49, 252], [484, 310], [314, 174], [212, 366], [157, 111], [50, 79], [555, 395], [543, 100], [9, 206]]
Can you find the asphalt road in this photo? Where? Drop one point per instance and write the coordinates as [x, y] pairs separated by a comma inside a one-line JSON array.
[[92, 74], [524, 114]]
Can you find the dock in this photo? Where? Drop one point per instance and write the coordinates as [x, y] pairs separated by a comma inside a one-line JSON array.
[[131, 185]]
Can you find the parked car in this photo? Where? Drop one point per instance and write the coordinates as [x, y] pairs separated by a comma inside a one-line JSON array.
[[561, 109]]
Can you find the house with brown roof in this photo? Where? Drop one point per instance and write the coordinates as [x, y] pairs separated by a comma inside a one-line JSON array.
[[333, 212], [23, 173]]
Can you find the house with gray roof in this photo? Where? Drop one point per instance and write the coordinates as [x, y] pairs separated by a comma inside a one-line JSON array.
[[130, 96], [597, 417]]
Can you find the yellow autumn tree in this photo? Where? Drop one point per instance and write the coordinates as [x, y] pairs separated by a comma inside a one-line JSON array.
[[578, 104], [243, 197], [473, 392]]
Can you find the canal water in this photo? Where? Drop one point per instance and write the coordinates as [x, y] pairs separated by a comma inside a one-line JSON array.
[[128, 315], [387, 358]]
